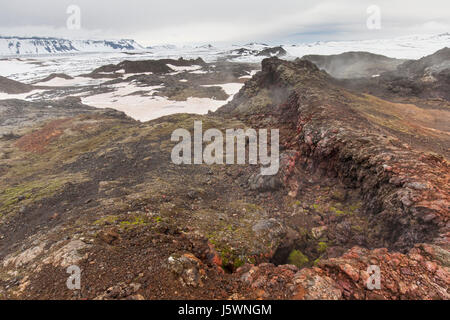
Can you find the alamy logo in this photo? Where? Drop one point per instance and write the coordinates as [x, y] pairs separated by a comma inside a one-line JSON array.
[[213, 153], [74, 20], [374, 280], [373, 21], [74, 280]]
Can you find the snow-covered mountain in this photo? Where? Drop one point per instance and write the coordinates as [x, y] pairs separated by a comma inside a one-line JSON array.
[[16, 46], [405, 47]]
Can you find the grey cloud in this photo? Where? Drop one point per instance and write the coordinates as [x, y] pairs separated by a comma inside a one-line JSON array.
[[180, 21]]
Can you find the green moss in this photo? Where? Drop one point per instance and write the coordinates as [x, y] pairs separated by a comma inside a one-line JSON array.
[[357, 228], [350, 210], [355, 206], [297, 258], [31, 191], [136, 221], [230, 258], [338, 212], [106, 220], [296, 204], [238, 262], [322, 247]]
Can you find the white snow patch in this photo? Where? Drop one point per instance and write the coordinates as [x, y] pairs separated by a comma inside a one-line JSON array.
[[144, 108], [199, 72], [407, 47], [28, 96], [14, 66], [250, 75], [77, 81], [184, 68], [229, 88]]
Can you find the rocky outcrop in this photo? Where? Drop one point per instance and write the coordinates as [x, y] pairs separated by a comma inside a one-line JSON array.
[[404, 192], [272, 52], [426, 78], [423, 273], [426, 66], [13, 87], [56, 75], [354, 64], [154, 66], [16, 115]]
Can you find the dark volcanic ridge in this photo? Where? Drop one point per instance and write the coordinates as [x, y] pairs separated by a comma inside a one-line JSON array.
[[427, 78], [13, 87], [155, 66], [354, 64], [55, 75]]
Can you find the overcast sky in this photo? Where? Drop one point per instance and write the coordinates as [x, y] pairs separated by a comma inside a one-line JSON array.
[[211, 21]]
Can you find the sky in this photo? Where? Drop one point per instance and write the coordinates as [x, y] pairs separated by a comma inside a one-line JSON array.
[[152, 22]]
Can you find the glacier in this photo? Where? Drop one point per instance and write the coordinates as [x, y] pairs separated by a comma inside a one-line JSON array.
[[20, 46]]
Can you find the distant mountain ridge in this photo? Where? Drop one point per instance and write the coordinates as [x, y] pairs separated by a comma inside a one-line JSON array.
[[405, 47], [16, 46]]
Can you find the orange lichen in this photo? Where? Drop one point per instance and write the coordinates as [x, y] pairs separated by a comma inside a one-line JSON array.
[[37, 141]]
